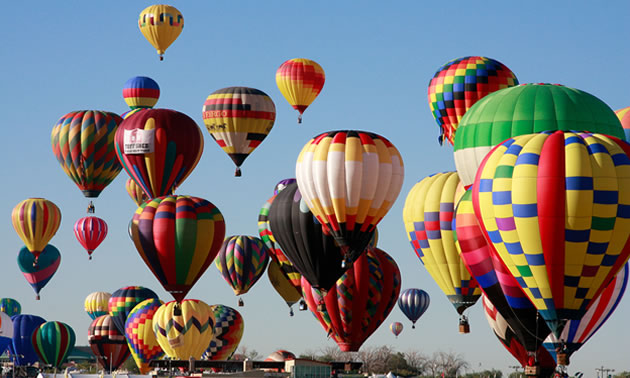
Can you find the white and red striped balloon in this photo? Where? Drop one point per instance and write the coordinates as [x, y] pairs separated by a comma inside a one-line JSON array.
[[90, 232]]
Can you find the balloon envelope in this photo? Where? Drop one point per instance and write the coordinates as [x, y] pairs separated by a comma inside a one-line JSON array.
[[36, 221], [10, 306], [141, 92], [396, 328], [107, 343], [90, 232], [624, 117], [6, 332], [22, 346], [228, 331], [413, 303], [300, 81], [96, 304], [161, 25], [139, 333], [124, 300], [53, 341], [241, 261], [38, 274]]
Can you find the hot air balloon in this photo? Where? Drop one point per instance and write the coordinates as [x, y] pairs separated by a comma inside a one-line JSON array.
[[185, 329], [159, 148], [280, 356], [428, 214], [36, 221], [458, 84], [52, 342], [83, 143], [96, 304], [135, 192], [242, 261], [349, 202], [413, 303], [228, 331], [22, 346], [178, 237], [124, 300], [565, 242], [10, 306], [282, 285], [360, 301], [578, 332], [6, 332], [526, 109], [239, 119], [38, 274], [139, 333], [131, 112], [396, 328], [107, 343], [283, 184], [161, 25], [300, 81], [141, 92], [90, 232], [624, 117]]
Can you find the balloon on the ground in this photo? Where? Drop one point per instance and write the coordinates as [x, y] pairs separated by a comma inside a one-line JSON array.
[[141, 92], [228, 331], [90, 232], [52, 342], [396, 328], [161, 25], [83, 143], [413, 303], [6, 332], [239, 119], [124, 300], [22, 345], [281, 356], [39, 273], [300, 81], [107, 343], [185, 329], [461, 82], [135, 192], [241, 261], [178, 237], [36, 221], [139, 333], [10, 306], [96, 304]]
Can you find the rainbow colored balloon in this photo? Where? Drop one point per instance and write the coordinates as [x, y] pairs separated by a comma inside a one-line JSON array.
[[90, 232], [53, 341], [135, 192], [10, 306], [624, 117], [228, 331], [396, 328], [300, 81], [96, 304], [83, 143], [139, 333], [141, 92], [124, 300], [38, 274], [36, 221]]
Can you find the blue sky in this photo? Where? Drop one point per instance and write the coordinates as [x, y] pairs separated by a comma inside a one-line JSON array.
[[378, 57]]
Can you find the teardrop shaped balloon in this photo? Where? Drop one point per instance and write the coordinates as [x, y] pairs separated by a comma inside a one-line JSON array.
[[161, 25], [300, 81], [396, 328], [239, 119], [83, 143], [124, 300], [349, 202], [139, 333], [413, 303], [185, 329], [141, 92], [178, 237], [135, 192], [228, 331], [10, 306], [96, 304], [241, 261], [159, 148], [90, 232], [282, 285], [38, 274], [36, 221], [22, 346], [107, 343], [52, 342]]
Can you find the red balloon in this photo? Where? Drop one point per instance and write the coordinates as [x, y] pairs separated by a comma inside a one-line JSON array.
[[90, 232], [107, 343]]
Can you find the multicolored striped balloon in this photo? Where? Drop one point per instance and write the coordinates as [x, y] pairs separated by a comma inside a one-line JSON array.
[[349, 202], [184, 329], [141, 92], [97, 304], [10, 306], [526, 109], [135, 192], [39, 273], [139, 333], [228, 331], [83, 143], [131, 112], [554, 206], [124, 300], [53, 341], [36, 221], [159, 148], [413, 303], [107, 343], [461, 82], [239, 119], [161, 25], [396, 328], [242, 261], [178, 237], [624, 117], [90, 232], [300, 81]]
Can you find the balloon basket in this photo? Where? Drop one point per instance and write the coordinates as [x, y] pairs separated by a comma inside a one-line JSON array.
[[563, 358], [303, 306], [37, 297], [90, 257], [291, 312], [413, 326], [321, 307], [532, 371], [300, 118], [237, 172], [240, 302]]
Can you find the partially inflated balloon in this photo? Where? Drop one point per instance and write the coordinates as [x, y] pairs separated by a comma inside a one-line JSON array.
[[141, 92], [185, 329], [6, 332], [349, 180], [135, 192], [228, 331], [280, 356], [22, 346], [10, 306], [300, 81], [90, 232], [458, 84], [124, 300], [107, 343], [413, 303], [178, 237], [36, 221], [139, 333], [159, 148], [53, 341], [239, 119], [242, 261], [83, 143], [161, 25], [38, 274], [396, 328], [624, 117], [96, 304]]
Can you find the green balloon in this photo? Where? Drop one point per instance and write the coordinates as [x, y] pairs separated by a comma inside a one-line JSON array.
[[53, 341]]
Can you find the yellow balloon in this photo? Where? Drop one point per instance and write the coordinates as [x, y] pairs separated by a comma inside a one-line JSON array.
[[96, 304], [184, 329], [281, 283], [161, 25]]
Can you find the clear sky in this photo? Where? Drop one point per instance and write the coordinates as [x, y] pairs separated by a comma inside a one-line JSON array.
[[378, 57]]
